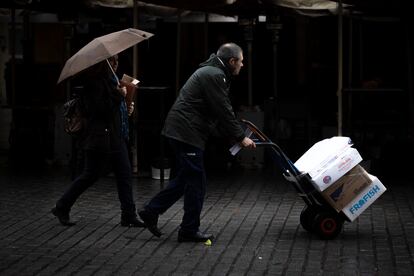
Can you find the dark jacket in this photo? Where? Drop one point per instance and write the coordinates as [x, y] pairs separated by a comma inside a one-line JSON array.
[[103, 121], [203, 102]]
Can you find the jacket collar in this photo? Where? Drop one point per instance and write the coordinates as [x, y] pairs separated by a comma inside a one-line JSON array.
[[215, 61]]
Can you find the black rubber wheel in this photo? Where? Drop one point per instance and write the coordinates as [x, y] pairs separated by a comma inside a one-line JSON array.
[[327, 224], [307, 216]]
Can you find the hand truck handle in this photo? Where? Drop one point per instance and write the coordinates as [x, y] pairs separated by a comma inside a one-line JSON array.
[[265, 141]]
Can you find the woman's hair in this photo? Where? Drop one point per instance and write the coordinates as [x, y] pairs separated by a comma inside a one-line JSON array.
[[228, 51], [99, 69]]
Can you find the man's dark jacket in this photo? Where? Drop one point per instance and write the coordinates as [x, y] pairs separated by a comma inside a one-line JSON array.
[[202, 104]]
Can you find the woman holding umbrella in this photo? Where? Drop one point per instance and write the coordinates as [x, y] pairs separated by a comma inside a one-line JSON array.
[[103, 140]]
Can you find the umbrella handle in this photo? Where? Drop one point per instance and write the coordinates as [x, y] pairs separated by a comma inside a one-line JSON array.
[[112, 70]]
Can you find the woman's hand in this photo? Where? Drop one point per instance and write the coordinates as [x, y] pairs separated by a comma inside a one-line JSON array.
[[131, 108], [122, 90]]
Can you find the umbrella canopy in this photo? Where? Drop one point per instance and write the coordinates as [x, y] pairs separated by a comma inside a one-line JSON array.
[[100, 49]]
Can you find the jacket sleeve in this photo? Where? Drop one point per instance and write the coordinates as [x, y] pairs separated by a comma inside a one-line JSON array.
[[220, 105]]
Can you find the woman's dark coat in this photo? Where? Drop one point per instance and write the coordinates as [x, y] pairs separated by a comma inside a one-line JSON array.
[[103, 127]]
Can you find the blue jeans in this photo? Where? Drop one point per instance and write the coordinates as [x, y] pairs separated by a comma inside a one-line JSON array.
[[95, 165], [190, 181]]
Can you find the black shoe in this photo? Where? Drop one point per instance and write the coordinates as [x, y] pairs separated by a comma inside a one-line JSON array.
[[150, 221], [63, 217], [131, 222], [196, 237]]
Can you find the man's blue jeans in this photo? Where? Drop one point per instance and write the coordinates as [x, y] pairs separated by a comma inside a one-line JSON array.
[[190, 181]]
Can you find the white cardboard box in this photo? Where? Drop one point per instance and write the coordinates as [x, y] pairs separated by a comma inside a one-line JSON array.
[[328, 160], [360, 203], [334, 168]]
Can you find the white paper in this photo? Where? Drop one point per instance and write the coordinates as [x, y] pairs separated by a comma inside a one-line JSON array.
[[129, 79], [236, 147], [322, 152]]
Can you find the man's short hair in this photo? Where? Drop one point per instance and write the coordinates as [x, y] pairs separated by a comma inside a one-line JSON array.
[[228, 51]]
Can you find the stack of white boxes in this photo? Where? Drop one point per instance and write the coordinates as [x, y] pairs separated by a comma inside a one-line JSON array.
[[334, 168]]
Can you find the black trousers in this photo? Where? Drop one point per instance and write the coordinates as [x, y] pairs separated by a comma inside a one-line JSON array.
[[94, 167], [190, 182]]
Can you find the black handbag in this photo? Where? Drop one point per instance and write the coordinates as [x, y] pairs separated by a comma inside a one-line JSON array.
[[73, 115]]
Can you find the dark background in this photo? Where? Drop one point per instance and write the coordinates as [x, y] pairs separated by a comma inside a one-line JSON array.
[[377, 95]]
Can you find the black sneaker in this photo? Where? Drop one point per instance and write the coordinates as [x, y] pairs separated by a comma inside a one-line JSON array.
[[131, 222], [150, 220], [195, 237], [62, 216]]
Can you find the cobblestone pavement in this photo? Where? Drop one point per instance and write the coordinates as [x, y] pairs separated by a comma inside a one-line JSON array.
[[254, 216]]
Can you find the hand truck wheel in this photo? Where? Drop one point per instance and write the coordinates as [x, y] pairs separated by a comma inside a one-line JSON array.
[[307, 216], [327, 224]]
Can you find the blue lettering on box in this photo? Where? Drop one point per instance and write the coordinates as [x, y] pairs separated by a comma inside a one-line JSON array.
[[364, 199]]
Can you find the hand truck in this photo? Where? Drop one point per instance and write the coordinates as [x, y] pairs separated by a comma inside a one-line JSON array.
[[318, 216]]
